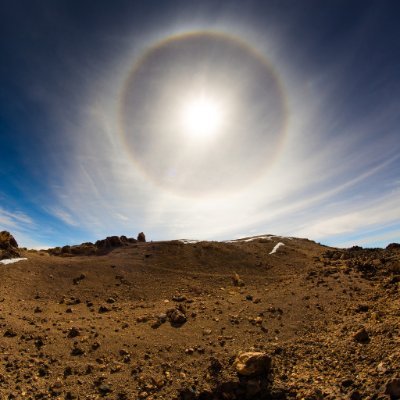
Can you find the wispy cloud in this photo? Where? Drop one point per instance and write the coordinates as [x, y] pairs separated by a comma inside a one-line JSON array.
[[18, 219], [334, 176], [63, 215]]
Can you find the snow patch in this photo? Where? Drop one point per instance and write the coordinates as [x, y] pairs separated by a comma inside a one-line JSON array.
[[269, 237], [11, 260], [256, 238], [188, 241], [276, 247]]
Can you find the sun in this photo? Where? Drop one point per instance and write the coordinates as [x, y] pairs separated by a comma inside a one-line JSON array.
[[201, 117]]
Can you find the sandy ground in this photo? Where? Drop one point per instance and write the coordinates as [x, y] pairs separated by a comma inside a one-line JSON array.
[[166, 320]]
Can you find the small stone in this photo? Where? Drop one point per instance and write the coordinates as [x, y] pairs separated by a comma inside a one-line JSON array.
[[162, 317], [215, 366], [73, 332], [200, 350], [362, 308], [237, 281], [347, 383], [76, 280], [361, 336], [381, 368], [176, 317], [156, 324], [77, 351], [104, 389], [10, 333], [252, 363], [355, 395], [95, 345], [393, 388], [179, 298], [103, 309]]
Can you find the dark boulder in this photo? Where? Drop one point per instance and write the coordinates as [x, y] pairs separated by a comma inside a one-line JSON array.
[[8, 246], [141, 237]]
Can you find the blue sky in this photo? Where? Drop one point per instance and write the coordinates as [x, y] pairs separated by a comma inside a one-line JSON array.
[[96, 138]]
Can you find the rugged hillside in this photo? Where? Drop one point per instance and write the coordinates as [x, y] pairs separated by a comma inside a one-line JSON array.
[[166, 320]]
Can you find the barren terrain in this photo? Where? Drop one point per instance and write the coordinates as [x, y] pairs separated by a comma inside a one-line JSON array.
[[166, 320]]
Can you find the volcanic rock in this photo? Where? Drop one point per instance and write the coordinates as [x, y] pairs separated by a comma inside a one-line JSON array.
[[100, 247], [109, 242], [393, 246], [8, 246], [393, 388], [361, 336], [237, 281], [141, 237], [176, 316], [252, 363]]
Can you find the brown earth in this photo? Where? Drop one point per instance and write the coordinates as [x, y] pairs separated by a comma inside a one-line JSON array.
[[166, 320]]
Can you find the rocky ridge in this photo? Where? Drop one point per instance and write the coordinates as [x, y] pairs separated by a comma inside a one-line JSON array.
[[100, 247]]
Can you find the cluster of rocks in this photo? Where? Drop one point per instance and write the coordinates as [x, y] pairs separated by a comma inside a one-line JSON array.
[[369, 262], [250, 379], [8, 246], [98, 248]]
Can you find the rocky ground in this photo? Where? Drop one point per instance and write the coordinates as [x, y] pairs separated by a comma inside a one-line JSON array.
[[206, 320]]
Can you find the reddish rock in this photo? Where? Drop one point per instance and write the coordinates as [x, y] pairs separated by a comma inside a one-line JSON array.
[[253, 363], [8, 246], [141, 237]]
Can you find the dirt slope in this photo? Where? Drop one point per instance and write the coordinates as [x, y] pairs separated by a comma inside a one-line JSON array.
[[166, 320]]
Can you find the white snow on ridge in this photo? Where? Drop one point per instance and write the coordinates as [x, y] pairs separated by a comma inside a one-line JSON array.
[[188, 241], [11, 260], [242, 240], [255, 238], [268, 237], [276, 247]]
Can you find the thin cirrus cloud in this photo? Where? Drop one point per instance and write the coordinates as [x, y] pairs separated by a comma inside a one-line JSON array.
[[23, 227], [314, 168], [331, 175], [16, 219]]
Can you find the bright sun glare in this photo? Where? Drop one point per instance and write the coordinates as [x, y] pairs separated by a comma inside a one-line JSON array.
[[201, 117]]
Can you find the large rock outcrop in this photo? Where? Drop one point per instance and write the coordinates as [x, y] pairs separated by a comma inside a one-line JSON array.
[[141, 237], [98, 248], [8, 246]]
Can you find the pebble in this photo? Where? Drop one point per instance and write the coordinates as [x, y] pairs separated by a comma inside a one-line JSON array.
[[361, 336]]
